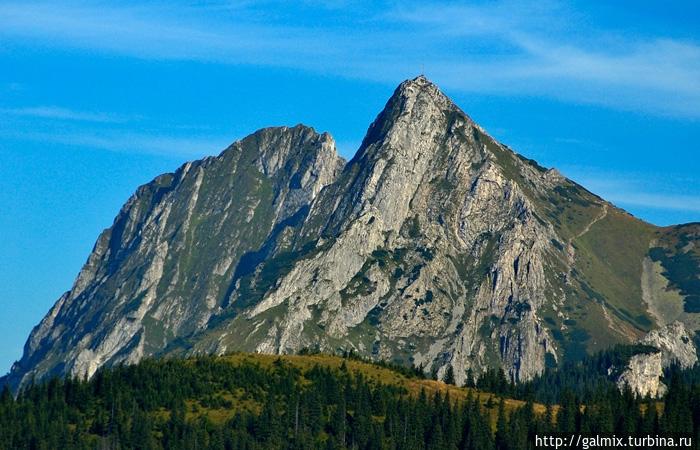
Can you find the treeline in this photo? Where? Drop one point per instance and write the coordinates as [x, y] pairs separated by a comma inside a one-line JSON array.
[[210, 403], [584, 378], [174, 404]]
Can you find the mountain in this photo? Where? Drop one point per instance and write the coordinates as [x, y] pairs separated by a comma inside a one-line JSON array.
[[434, 246]]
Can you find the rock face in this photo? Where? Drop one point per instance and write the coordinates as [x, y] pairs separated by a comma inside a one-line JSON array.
[[673, 344], [435, 246], [643, 375], [162, 270]]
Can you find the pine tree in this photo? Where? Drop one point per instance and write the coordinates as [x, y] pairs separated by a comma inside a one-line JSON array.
[[501, 427], [449, 377], [470, 378], [338, 421], [568, 411]]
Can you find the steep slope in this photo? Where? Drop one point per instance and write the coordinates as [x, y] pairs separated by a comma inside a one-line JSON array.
[[162, 270], [425, 240], [435, 246], [670, 281]]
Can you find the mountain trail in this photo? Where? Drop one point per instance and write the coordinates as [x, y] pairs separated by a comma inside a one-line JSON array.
[[598, 218], [571, 253]]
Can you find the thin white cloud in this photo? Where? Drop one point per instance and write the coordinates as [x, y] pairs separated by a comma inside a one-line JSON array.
[[495, 47], [573, 141], [658, 201], [657, 75], [636, 190], [59, 113], [129, 142], [146, 32]]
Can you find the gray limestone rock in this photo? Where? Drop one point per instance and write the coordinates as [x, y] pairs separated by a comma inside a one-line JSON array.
[[435, 246], [643, 373]]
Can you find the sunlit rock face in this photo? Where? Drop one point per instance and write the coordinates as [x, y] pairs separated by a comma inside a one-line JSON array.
[[434, 246], [643, 375], [674, 345]]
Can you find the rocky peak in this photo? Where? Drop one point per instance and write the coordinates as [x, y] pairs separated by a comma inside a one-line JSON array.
[[279, 147], [307, 160], [435, 246], [643, 375], [415, 103], [420, 134], [424, 183], [163, 269]]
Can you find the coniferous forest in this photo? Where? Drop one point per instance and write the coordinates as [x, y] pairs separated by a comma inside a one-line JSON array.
[[326, 402]]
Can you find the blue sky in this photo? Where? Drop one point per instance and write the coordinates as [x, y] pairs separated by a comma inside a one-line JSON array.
[[97, 98]]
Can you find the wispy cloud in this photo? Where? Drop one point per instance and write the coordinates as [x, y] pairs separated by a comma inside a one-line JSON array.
[[636, 190], [151, 32], [653, 74], [493, 47], [130, 142], [572, 141], [658, 201], [59, 113]]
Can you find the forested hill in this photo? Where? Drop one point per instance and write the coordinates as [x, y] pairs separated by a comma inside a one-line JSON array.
[[246, 401]]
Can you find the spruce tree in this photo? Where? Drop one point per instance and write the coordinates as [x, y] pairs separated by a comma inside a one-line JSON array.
[[449, 377], [501, 427]]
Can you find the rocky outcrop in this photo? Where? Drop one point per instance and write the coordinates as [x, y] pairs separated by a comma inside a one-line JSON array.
[[643, 375], [434, 246], [673, 344]]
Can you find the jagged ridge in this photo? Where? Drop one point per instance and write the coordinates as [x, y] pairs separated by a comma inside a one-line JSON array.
[[435, 245]]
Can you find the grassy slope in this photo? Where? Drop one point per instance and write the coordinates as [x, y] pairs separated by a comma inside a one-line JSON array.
[[241, 400], [609, 258], [604, 299], [604, 304]]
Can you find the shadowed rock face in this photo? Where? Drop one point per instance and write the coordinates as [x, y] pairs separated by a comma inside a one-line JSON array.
[[435, 245], [162, 271]]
